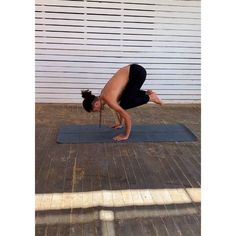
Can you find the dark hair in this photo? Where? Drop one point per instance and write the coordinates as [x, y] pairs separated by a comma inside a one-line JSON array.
[[88, 99]]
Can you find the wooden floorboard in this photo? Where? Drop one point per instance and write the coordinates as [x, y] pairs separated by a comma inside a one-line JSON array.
[[84, 168]]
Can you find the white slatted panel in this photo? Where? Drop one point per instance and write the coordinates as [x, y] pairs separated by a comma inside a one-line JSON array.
[[81, 43]]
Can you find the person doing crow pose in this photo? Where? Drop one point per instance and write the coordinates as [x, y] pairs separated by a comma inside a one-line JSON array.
[[122, 92]]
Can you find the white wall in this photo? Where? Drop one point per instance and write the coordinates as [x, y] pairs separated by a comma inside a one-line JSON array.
[[80, 44]]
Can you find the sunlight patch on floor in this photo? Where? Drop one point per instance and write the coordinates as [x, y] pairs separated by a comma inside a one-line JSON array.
[[116, 198]]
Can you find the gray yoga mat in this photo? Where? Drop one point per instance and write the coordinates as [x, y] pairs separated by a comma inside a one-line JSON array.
[[140, 133]]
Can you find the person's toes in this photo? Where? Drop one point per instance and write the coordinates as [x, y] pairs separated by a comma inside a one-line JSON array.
[[149, 91], [155, 98]]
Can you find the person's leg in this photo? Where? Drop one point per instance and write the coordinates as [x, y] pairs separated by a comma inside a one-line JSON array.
[[132, 95], [137, 76], [130, 102]]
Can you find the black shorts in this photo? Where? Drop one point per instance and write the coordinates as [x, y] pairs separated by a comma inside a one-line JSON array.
[[132, 96]]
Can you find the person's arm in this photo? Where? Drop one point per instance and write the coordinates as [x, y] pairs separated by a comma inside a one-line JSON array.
[[123, 114], [120, 120]]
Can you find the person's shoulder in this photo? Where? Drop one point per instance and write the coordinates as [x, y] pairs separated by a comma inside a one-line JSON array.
[[105, 97], [109, 101]]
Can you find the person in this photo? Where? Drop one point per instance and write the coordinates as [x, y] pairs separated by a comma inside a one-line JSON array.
[[121, 92]]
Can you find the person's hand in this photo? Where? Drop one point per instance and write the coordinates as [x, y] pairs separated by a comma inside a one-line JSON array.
[[120, 137], [117, 126]]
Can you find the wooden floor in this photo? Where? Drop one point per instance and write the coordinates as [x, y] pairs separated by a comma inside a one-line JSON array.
[[93, 168]]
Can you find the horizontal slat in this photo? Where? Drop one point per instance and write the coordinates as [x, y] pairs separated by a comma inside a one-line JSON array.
[[117, 54], [118, 65], [117, 60], [107, 35], [163, 2], [181, 97], [116, 44], [188, 3], [134, 25], [154, 31], [137, 19], [88, 48], [171, 22]]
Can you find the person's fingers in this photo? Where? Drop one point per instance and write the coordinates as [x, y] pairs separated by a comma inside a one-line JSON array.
[[117, 126], [116, 138]]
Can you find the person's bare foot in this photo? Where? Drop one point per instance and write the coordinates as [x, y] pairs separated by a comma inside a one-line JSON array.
[[154, 98]]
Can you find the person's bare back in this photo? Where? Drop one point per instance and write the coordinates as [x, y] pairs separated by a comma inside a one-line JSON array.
[[115, 86]]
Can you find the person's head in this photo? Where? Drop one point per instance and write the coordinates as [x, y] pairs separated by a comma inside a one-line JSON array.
[[91, 102]]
